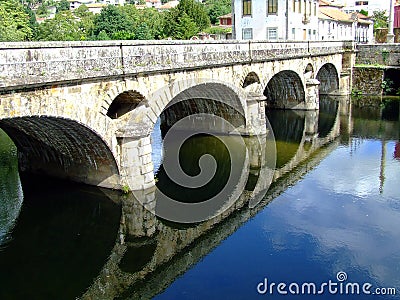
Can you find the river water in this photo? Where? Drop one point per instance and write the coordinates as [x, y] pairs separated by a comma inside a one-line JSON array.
[[335, 214]]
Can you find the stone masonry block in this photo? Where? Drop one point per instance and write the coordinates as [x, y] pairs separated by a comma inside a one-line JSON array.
[[145, 141], [145, 150], [149, 177], [146, 159], [147, 168], [152, 116]]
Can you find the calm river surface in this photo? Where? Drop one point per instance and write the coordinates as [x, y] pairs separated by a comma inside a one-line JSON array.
[[339, 217]]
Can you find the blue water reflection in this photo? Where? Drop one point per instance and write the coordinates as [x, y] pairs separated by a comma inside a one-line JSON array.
[[343, 216]]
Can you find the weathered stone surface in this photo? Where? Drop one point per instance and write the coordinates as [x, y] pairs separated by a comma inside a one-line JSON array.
[[75, 83], [368, 80], [378, 54]]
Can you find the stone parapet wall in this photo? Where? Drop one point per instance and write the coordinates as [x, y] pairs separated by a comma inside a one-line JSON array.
[[32, 64], [378, 54]]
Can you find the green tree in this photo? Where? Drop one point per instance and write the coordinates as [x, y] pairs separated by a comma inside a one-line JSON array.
[[14, 22], [82, 11], [364, 12], [154, 21], [114, 22], [186, 20], [43, 11], [380, 19], [64, 27], [86, 21], [132, 14], [103, 36], [143, 32], [63, 5], [196, 11], [217, 8], [33, 24], [186, 27]]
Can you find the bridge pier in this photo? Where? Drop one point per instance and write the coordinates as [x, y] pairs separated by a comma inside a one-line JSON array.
[[136, 164], [256, 121], [312, 94]]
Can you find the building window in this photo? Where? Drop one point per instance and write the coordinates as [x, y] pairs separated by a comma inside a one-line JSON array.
[[361, 3], [272, 34], [315, 9], [246, 7], [247, 33], [272, 6], [294, 5]]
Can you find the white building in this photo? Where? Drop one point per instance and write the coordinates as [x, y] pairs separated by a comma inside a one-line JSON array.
[[336, 24], [153, 3], [368, 5], [275, 20], [94, 4]]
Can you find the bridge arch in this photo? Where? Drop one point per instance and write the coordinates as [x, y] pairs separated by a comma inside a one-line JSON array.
[[250, 79], [285, 90], [208, 98], [309, 71], [328, 77], [124, 103], [62, 148]]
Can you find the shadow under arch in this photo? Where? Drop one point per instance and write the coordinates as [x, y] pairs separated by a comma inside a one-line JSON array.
[[328, 107], [124, 103], [62, 148], [64, 234], [250, 79], [285, 90], [205, 98], [328, 77]]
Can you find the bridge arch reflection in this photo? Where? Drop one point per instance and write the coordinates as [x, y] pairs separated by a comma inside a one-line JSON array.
[[178, 247]]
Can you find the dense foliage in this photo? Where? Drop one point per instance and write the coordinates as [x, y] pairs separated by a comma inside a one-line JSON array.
[[15, 22], [18, 21], [217, 8], [380, 19]]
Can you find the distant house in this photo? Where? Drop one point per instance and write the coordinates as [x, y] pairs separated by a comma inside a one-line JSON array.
[[335, 24], [369, 6], [153, 3], [96, 7], [275, 20], [74, 4], [169, 5], [225, 20], [364, 28]]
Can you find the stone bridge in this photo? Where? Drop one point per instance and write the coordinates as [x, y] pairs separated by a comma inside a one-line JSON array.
[[85, 110]]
